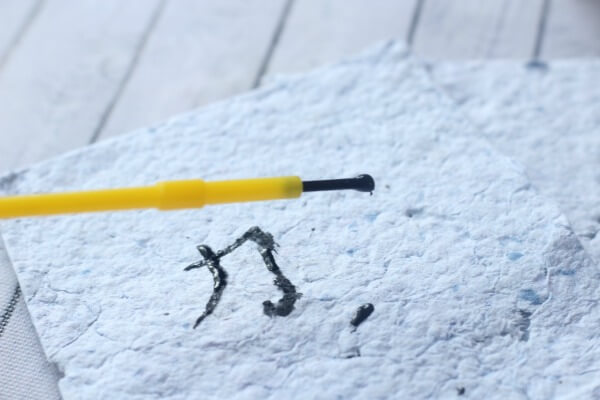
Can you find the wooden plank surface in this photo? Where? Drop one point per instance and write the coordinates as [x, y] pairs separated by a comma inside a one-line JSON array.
[[86, 69], [58, 82], [477, 29], [200, 51], [16, 16], [320, 32], [572, 29]]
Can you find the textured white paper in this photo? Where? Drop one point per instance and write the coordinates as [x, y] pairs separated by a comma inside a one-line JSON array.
[[478, 282], [548, 118]]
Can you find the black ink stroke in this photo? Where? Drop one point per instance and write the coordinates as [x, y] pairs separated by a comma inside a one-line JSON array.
[[212, 262], [266, 247]]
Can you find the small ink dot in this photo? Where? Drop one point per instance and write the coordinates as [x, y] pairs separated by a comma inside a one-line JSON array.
[[387, 186], [460, 391], [361, 314], [312, 229]]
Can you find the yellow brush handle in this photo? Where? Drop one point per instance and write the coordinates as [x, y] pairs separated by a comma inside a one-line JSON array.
[[168, 195]]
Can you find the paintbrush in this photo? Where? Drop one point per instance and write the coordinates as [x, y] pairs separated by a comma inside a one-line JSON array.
[[172, 195]]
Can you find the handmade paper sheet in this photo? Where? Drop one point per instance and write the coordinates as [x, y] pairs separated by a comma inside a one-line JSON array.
[[479, 286]]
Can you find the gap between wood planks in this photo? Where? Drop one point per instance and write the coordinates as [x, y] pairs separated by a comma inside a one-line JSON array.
[[32, 13], [318, 32], [541, 30], [274, 42], [414, 22], [130, 69]]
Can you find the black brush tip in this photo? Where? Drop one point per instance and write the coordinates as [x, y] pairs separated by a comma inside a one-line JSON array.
[[362, 183], [365, 183]]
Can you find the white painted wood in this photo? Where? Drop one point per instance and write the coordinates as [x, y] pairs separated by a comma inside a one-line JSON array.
[[14, 17], [70, 60], [58, 82], [477, 29], [572, 29], [325, 31], [200, 51]]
